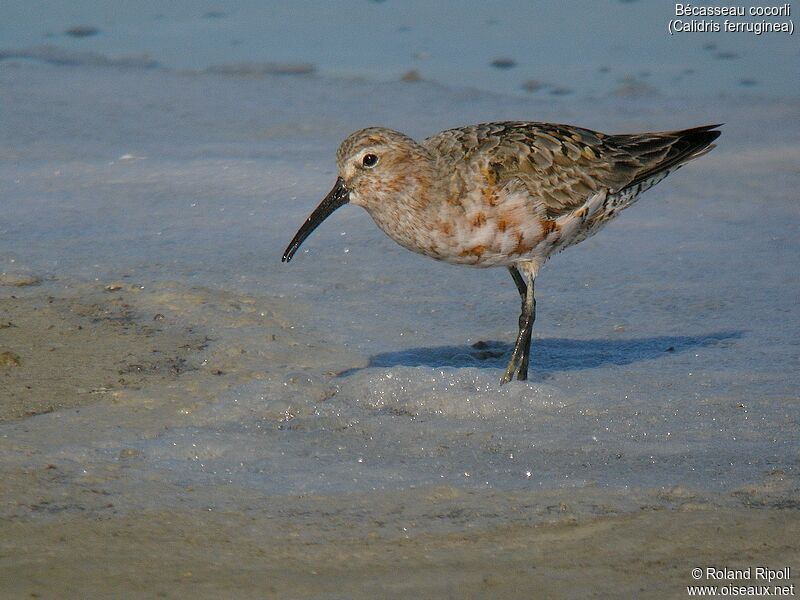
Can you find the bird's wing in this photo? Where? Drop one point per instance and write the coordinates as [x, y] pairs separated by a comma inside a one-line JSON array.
[[561, 165]]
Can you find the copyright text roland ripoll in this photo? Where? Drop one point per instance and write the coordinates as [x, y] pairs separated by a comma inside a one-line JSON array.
[[749, 581]]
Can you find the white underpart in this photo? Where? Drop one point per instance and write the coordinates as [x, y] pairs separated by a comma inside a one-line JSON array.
[[571, 223]]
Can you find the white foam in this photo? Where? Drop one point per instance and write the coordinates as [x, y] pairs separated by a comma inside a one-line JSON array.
[[451, 392]]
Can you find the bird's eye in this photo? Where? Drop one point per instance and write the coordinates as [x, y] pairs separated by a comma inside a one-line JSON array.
[[369, 160]]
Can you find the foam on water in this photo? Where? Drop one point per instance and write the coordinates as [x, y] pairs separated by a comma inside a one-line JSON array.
[[451, 392]]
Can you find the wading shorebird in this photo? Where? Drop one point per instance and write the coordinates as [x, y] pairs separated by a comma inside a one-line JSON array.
[[501, 194]]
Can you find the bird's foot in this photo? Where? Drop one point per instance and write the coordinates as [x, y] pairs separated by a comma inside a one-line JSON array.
[[515, 366]]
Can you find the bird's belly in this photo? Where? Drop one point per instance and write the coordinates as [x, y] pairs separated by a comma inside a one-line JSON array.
[[474, 233], [491, 242]]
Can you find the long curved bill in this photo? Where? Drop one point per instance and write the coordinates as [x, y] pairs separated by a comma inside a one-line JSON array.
[[338, 196]]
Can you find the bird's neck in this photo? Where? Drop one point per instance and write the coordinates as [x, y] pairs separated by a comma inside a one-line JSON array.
[[407, 206]]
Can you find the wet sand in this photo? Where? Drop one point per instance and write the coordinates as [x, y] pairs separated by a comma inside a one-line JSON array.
[[256, 555], [71, 535], [84, 344]]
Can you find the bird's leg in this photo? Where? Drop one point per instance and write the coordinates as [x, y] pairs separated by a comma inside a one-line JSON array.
[[521, 286], [521, 353], [523, 291], [529, 305]]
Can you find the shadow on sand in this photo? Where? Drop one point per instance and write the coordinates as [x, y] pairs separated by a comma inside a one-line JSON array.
[[550, 355]]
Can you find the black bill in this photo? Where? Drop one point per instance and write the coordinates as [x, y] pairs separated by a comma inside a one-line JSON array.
[[337, 197]]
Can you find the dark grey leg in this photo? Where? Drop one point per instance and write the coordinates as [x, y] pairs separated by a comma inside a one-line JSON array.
[[522, 374], [519, 281], [522, 348]]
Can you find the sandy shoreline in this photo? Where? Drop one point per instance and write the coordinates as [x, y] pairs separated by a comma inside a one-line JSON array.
[[74, 348], [67, 534], [647, 554]]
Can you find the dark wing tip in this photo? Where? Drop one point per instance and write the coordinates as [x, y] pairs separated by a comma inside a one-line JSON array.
[[698, 141], [698, 138], [669, 149]]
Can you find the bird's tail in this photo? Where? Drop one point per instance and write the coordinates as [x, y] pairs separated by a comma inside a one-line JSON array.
[[665, 151]]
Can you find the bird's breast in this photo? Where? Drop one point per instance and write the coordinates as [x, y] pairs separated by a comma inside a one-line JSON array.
[[484, 227]]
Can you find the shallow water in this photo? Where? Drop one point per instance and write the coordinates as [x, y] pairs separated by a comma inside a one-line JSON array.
[[556, 49], [665, 349]]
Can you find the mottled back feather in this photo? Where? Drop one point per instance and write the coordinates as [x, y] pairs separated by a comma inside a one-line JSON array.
[[563, 165]]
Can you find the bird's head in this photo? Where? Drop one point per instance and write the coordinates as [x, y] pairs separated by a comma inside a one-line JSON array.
[[373, 166]]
